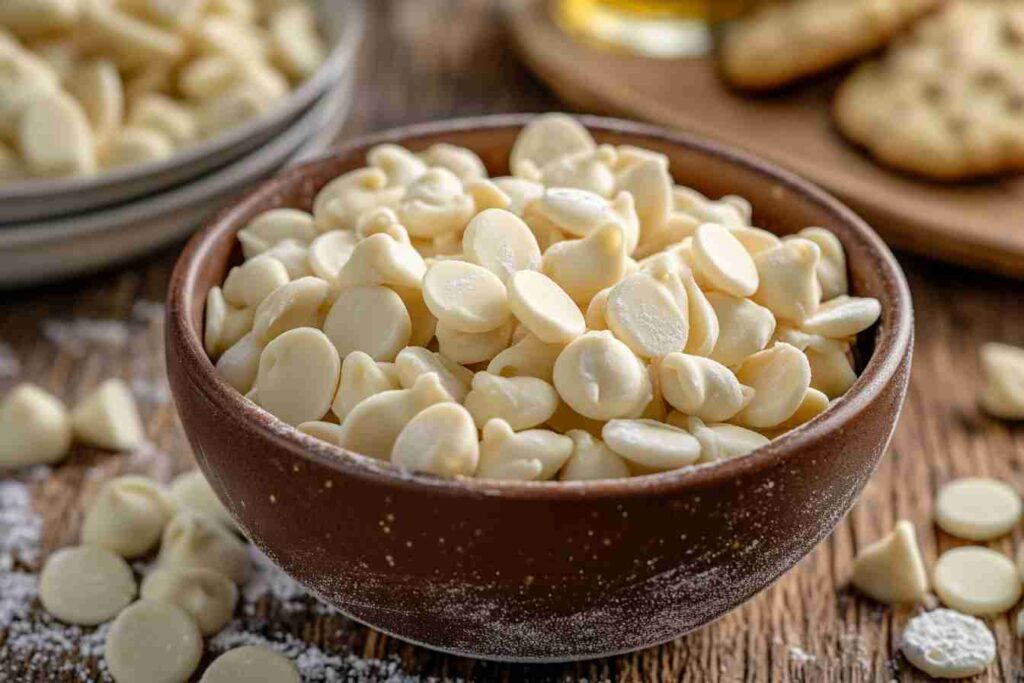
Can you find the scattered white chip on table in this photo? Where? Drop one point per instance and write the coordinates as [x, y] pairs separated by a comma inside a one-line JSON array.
[[208, 597], [891, 570], [153, 642], [478, 323], [251, 663], [977, 509], [35, 427], [85, 585], [946, 644], [196, 541], [977, 581], [191, 491], [127, 516], [1002, 367]]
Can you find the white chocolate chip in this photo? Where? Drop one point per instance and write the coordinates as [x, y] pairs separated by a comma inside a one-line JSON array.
[[381, 259], [465, 296], [831, 269], [361, 378], [97, 87], [891, 570], [153, 640], [328, 432], [296, 304], [722, 261], [1002, 367], [977, 509], [224, 324], [584, 267], [520, 192], [107, 417], [298, 375], [191, 491], [718, 441], [844, 316], [587, 170], [239, 365], [401, 166], [413, 361], [329, 253], [35, 427], [163, 114], [251, 663], [547, 138], [528, 357], [643, 313], [702, 387], [779, 377], [342, 201], [468, 348], [294, 41], [191, 541], [532, 455], [294, 255], [435, 204], [372, 426], [208, 597], [274, 226], [85, 585], [600, 378], [464, 163], [127, 517], [440, 440], [54, 137], [544, 308], [977, 581], [522, 402], [591, 459], [371, 319], [788, 282], [650, 185], [500, 242], [744, 328], [247, 285], [651, 444]]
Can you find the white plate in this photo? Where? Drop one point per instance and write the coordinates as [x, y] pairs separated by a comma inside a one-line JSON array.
[[44, 251], [342, 21]]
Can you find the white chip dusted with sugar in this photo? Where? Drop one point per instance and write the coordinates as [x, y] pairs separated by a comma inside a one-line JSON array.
[[465, 296], [946, 644]]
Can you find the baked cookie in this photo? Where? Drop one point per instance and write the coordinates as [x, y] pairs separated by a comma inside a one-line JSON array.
[[782, 42], [946, 101]]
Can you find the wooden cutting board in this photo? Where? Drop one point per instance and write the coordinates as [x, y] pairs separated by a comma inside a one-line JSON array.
[[979, 224]]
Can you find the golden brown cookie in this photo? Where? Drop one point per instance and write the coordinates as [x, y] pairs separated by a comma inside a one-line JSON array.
[[946, 101], [782, 42]]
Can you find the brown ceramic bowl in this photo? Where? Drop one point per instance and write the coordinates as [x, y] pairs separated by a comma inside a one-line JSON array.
[[541, 571]]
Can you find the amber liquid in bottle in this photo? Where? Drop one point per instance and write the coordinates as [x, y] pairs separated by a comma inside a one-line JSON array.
[[656, 28]]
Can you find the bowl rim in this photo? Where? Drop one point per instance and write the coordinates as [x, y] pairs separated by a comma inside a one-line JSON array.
[[338, 60], [893, 341]]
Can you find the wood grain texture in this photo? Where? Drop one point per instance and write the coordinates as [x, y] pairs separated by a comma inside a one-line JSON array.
[[807, 627], [979, 224]]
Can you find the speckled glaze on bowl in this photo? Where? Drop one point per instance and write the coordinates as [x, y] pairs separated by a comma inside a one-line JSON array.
[[541, 571]]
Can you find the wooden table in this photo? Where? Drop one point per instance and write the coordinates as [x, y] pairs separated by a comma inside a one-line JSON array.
[[431, 59]]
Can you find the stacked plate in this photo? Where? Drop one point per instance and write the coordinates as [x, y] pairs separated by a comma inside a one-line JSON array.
[[52, 229]]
